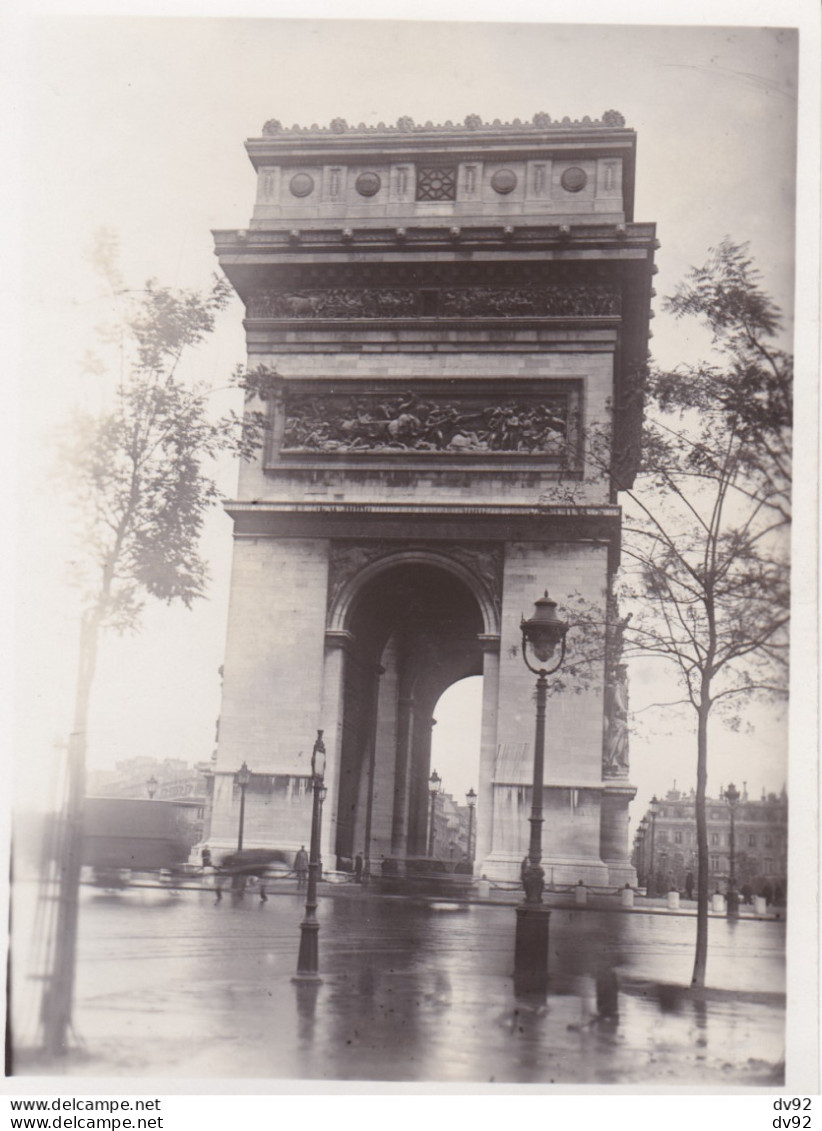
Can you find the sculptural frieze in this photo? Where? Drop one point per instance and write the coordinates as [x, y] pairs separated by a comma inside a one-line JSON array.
[[385, 423], [562, 300], [555, 301], [333, 302]]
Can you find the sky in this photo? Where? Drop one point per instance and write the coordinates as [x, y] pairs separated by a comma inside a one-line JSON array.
[[137, 125]]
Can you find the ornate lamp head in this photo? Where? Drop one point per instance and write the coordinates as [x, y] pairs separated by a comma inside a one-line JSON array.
[[434, 783], [471, 798], [544, 631], [732, 796], [243, 776]]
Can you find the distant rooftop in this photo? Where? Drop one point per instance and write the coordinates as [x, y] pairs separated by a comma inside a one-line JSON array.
[[611, 119]]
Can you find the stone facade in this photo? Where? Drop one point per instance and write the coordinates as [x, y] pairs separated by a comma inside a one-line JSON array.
[[665, 847], [450, 311]]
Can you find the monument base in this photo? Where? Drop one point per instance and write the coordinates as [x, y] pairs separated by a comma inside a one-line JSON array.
[[531, 949]]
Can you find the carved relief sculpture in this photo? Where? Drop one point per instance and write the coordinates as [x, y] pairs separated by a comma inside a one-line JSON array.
[[615, 760], [486, 302], [370, 423], [572, 300]]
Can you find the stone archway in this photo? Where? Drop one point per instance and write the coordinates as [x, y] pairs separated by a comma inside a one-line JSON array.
[[414, 629]]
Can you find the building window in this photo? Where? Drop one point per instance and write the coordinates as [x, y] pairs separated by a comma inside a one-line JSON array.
[[714, 838], [769, 842], [768, 865], [677, 838], [752, 841], [714, 863], [437, 182]]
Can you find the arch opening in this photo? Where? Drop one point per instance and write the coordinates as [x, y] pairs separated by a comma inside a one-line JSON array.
[[455, 754], [415, 631]]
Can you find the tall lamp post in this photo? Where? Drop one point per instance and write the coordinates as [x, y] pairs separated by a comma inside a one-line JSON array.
[[732, 797], [242, 778], [434, 783], [151, 787], [471, 798], [308, 958], [653, 809], [639, 849], [542, 633]]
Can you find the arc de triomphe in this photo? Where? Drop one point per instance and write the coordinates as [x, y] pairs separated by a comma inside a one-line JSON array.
[[451, 311]]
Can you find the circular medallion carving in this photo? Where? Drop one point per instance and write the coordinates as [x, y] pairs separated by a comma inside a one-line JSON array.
[[367, 184], [301, 184], [574, 179], [504, 181]]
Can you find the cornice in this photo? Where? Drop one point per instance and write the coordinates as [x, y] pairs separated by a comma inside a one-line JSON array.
[[496, 510], [292, 242]]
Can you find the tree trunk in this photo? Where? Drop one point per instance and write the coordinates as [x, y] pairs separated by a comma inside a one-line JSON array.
[[701, 956], [58, 1001]]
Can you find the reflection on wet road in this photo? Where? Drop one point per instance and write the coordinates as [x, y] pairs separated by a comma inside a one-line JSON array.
[[178, 985]]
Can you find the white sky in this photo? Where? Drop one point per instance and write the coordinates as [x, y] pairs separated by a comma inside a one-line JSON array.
[[139, 124]]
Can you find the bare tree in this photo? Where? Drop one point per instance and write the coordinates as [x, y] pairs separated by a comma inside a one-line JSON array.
[[705, 542], [141, 476]]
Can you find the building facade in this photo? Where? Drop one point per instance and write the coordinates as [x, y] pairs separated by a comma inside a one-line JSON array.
[[450, 311], [166, 779], [665, 849]]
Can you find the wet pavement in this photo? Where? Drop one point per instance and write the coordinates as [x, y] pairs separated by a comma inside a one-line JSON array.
[[178, 985]]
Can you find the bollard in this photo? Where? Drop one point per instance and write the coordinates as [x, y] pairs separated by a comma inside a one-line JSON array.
[[626, 897], [760, 905], [718, 903], [484, 888], [581, 893], [673, 901]]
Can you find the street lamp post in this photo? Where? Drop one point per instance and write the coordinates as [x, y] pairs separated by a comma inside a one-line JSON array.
[[471, 798], [654, 809], [639, 848], [434, 783], [242, 778], [308, 958], [151, 787], [732, 797], [542, 633]]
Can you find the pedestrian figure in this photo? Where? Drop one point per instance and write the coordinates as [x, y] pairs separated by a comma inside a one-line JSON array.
[[205, 856], [689, 886], [358, 869], [301, 868], [263, 896]]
